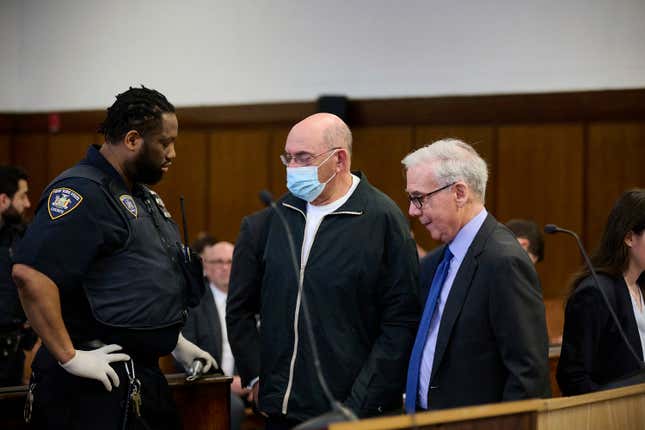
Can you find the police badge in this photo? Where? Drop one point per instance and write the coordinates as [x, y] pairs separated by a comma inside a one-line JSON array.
[[128, 202]]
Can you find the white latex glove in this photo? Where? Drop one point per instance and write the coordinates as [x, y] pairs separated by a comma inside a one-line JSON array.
[[95, 364], [186, 352]]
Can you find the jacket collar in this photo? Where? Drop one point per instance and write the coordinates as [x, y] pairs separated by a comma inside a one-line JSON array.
[[357, 202]]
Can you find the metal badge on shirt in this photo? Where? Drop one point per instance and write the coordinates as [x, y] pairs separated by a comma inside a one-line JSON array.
[[129, 204], [160, 205], [62, 201]]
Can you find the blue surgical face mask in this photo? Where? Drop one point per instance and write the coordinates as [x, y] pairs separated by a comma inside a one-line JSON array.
[[303, 181]]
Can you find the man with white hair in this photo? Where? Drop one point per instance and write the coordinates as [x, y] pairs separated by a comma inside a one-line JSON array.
[[482, 336]]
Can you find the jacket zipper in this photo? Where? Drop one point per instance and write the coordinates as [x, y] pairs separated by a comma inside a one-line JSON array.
[[292, 366]]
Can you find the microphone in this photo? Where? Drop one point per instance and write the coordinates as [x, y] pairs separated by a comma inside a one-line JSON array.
[[553, 229], [338, 411], [196, 369], [267, 198]]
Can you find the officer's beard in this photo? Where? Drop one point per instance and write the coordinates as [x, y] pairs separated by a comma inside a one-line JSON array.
[[144, 169]]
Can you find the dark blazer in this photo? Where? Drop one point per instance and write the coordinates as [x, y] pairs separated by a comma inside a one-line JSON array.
[[203, 326], [492, 343], [246, 279], [593, 352]]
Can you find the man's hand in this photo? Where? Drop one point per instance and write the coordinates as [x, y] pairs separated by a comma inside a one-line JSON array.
[[95, 364], [236, 387], [186, 352], [253, 398], [253, 395]]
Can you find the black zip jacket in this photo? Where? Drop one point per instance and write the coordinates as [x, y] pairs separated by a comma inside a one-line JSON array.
[[360, 283]]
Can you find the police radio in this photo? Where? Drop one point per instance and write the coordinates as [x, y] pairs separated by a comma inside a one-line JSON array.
[[191, 264], [184, 225]]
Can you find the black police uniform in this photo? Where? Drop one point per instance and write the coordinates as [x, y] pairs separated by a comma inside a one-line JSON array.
[[116, 256], [12, 317]]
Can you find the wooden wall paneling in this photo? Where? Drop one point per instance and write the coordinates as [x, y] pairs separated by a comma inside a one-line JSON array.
[[65, 150], [238, 172], [277, 171], [482, 138], [30, 151], [536, 108], [188, 176], [615, 163], [377, 152], [5, 149], [540, 177], [7, 122]]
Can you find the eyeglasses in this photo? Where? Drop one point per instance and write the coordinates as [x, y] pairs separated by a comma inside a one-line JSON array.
[[303, 158], [417, 201], [218, 262]]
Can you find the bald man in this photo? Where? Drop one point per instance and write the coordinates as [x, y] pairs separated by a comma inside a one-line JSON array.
[[357, 267], [206, 324]]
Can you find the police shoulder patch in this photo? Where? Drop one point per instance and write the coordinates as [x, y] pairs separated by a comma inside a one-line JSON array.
[[129, 204], [62, 201]]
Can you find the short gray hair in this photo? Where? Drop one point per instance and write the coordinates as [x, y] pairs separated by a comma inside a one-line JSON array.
[[454, 160]]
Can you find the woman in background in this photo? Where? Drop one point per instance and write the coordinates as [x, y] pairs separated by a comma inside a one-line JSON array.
[[593, 351]]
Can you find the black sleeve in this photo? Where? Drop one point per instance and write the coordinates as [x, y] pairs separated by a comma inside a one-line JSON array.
[[517, 315], [243, 301], [381, 381], [584, 318], [63, 247]]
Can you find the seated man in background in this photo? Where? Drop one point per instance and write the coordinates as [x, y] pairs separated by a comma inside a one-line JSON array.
[[529, 236], [206, 324]]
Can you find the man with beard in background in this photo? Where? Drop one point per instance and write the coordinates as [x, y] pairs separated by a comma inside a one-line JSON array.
[[14, 336], [105, 281]]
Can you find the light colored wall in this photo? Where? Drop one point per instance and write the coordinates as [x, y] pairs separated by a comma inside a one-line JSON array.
[[72, 54], [9, 57]]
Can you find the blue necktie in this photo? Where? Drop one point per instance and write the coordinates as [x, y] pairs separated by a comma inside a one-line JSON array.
[[412, 384]]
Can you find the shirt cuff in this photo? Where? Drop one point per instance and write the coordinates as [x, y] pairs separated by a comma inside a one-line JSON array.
[[252, 383]]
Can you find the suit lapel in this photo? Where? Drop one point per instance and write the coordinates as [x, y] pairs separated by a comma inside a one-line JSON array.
[[624, 307], [459, 290]]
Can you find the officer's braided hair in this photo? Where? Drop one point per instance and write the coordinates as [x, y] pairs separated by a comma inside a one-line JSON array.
[[137, 109]]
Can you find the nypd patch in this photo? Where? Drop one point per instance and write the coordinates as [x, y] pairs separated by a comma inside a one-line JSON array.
[[62, 201], [128, 202]]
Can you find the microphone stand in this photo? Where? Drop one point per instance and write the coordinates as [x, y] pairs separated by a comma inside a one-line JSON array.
[[338, 412]]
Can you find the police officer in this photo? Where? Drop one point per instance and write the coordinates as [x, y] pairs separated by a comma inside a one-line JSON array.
[[105, 281], [14, 199]]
